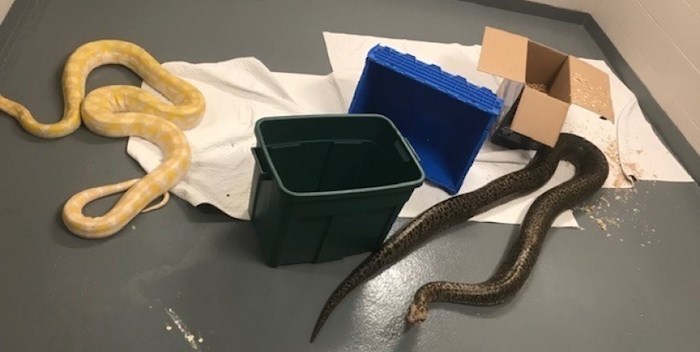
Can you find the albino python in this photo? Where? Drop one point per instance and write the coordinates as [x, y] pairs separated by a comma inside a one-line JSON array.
[[121, 111], [591, 171]]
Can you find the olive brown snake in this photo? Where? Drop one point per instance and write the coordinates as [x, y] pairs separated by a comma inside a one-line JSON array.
[[591, 171]]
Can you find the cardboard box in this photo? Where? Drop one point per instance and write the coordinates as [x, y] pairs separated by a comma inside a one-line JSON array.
[[540, 84]]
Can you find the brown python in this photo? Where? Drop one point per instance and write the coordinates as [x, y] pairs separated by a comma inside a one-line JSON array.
[[591, 171]]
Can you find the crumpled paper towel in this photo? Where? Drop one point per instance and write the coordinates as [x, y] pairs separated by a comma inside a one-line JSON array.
[[240, 91], [237, 93]]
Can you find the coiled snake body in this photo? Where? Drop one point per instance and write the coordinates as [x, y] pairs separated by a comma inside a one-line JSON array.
[[591, 171], [121, 111]]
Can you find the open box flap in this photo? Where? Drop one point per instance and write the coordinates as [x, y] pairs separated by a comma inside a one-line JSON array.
[[590, 88], [504, 54]]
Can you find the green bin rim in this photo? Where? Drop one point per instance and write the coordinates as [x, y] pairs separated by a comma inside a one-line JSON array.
[[355, 191]]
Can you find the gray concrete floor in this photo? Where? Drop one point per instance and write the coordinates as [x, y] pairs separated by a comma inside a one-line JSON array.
[[633, 286]]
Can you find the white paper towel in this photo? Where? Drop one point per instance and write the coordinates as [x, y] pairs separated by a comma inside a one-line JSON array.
[[237, 93], [240, 91]]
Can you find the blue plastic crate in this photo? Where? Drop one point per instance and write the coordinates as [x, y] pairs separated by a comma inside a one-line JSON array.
[[445, 118]]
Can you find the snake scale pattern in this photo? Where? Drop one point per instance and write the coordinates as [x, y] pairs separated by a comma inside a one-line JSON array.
[[121, 111], [591, 172]]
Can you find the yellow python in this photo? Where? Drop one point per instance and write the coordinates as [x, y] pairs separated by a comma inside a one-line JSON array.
[[122, 111]]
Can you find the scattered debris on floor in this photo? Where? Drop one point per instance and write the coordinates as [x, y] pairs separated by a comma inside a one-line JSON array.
[[619, 217], [189, 336]]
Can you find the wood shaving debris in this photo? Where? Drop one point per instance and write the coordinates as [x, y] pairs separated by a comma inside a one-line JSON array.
[[538, 87], [607, 214], [189, 337]]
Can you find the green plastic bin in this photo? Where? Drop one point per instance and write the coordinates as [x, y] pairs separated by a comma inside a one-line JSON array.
[[328, 186]]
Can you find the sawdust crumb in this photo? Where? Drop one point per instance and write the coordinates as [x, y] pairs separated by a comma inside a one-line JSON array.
[[624, 194], [538, 87], [186, 333], [613, 221], [601, 224]]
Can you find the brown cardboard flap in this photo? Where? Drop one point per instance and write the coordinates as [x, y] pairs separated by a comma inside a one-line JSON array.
[[590, 88], [540, 116], [503, 54], [543, 63]]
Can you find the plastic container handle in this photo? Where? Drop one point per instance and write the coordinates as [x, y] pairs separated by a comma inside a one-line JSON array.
[[261, 163]]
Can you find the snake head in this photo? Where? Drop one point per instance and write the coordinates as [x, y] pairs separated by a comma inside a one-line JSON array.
[[416, 314]]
